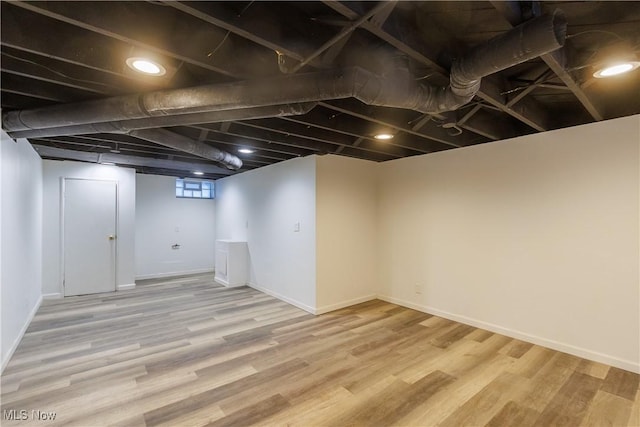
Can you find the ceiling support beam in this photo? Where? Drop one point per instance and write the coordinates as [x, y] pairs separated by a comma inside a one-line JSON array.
[[225, 23], [420, 123], [557, 61], [467, 116], [535, 117], [527, 90], [344, 32]]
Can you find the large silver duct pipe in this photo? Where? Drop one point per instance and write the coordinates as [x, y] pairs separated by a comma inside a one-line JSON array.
[[171, 139], [399, 90], [126, 126], [46, 151], [182, 143]]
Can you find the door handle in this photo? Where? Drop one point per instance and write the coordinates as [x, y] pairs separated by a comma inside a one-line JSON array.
[[112, 237]]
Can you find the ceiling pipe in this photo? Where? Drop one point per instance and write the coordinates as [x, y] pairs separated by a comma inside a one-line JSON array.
[[126, 126], [46, 151], [179, 142], [397, 89]]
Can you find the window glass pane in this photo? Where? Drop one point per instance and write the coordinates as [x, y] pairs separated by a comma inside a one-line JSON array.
[[195, 189]]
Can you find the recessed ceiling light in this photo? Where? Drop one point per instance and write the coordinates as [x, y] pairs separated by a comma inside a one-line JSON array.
[[245, 151], [616, 69], [198, 173], [146, 66], [108, 163], [383, 136]]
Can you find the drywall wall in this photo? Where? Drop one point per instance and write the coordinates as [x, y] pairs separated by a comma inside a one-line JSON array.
[[163, 220], [21, 239], [346, 232], [53, 172], [536, 237], [262, 207]]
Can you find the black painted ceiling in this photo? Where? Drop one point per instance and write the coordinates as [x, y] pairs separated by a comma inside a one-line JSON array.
[[62, 52]]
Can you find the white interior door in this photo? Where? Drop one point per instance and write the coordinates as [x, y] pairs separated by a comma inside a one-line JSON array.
[[89, 236]]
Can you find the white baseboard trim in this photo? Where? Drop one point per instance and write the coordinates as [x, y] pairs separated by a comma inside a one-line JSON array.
[[15, 344], [343, 304], [627, 365], [219, 280], [283, 298], [55, 295], [174, 273], [125, 287]]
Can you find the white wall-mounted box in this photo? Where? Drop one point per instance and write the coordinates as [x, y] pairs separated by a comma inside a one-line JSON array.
[[231, 262]]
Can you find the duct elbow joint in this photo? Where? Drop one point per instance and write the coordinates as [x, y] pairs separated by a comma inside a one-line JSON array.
[[232, 162]]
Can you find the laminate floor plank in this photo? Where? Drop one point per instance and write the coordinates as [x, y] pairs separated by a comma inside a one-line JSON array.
[[608, 410], [185, 351], [621, 383], [513, 414], [569, 405]]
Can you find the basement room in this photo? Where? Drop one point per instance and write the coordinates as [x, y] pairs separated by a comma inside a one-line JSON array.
[[320, 213]]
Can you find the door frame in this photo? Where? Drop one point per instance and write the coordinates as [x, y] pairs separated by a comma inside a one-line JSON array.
[[63, 180]]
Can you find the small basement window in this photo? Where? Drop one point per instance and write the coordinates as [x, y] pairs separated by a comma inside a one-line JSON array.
[[194, 189]]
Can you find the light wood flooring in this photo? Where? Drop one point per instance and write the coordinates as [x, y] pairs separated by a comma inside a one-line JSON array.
[[188, 352]]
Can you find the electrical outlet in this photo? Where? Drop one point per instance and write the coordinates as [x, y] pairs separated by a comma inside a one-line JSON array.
[[296, 227], [418, 289]]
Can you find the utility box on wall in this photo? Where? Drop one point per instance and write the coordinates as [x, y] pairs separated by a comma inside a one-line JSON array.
[[231, 263]]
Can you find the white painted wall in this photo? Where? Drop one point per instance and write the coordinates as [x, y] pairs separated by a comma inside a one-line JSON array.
[[261, 207], [21, 240], [163, 220], [346, 232], [535, 237], [54, 171]]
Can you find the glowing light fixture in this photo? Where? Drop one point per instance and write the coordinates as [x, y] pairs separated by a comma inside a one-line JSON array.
[[146, 66], [108, 163], [245, 151], [383, 136], [198, 173], [616, 69]]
